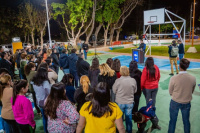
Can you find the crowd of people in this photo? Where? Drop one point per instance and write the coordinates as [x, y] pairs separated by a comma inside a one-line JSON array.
[[93, 98]]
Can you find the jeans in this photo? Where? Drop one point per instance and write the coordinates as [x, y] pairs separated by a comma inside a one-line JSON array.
[[76, 78], [127, 111], [85, 54], [10, 126], [181, 56], [150, 94], [35, 102], [173, 110], [65, 71], [136, 100], [44, 120], [25, 128], [141, 126], [175, 62]]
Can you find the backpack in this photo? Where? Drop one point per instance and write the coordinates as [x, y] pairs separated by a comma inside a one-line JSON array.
[[174, 51]]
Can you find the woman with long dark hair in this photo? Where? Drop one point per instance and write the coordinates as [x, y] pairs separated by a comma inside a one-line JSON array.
[[62, 116], [67, 80], [6, 92], [136, 74], [100, 114], [93, 73], [116, 67], [109, 61], [42, 87], [149, 80], [52, 75], [22, 108], [30, 73]]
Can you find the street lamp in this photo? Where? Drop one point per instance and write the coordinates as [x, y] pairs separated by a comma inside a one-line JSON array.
[[192, 49], [47, 10]]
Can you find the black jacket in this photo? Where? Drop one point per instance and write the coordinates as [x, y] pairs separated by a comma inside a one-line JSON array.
[[109, 80], [137, 76], [93, 76], [181, 49], [5, 64], [79, 97], [18, 60], [82, 67], [55, 59], [72, 62], [64, 61], [85, 46]]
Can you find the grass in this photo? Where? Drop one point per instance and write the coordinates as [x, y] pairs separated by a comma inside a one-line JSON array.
[[162, 51], [91, 54]]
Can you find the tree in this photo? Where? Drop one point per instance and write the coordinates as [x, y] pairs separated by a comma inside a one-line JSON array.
[[109, 14], [126, 9], [73, 15], [31, 13]]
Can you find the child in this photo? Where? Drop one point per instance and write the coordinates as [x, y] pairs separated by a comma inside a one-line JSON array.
[[145, 114], [22, 108]]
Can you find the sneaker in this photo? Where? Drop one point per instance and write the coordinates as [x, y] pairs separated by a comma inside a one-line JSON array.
[[176, 73], [171, 74], [156, 127]]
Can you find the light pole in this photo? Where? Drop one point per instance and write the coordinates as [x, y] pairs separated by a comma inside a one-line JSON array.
[[193, 24], [47, 10], [190, 22]]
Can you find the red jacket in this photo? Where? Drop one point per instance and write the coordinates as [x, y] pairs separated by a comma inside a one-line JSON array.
[[146, 82], [118, 74]]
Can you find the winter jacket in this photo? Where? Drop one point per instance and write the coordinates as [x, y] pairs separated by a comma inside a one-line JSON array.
[[18, 60], [148, 111], [82, 67], [60, 49], [109, 80], [170, 49], [93, 76], [146, 82], [52, 76], [72, 62], [142, 46], [70, 90], [64, 61], [181, 49], [85, 46], [79, 97], [137, 76], [7, 65], [55, 59]]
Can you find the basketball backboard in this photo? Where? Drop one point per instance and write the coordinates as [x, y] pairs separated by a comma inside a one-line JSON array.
[[156, 16]]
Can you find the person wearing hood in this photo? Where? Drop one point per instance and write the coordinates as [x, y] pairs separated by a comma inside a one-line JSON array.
[[82, 66], [64, 62], [72, 66]]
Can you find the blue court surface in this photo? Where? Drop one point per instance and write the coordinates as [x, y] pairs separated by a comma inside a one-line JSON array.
[[163, 64]]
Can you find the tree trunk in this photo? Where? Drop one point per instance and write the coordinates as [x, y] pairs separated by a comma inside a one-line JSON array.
[[97, 31], [105, 36], [28, 38], [32, 37], [117, 37], [111, 34], [87, 38], [41, 38], [25, 39]]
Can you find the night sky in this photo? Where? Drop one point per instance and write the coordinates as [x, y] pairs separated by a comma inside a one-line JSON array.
[[135, 20]]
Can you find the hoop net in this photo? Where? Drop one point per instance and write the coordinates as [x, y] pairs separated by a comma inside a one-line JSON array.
[[151, 22]]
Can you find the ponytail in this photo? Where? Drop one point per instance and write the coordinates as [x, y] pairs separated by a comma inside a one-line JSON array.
[[18, 85], [28, 68], [84, 81]]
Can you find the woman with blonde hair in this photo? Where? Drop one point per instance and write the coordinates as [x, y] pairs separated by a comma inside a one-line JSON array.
[[125, 87], [108, 76], [82, 91], [6, 92]]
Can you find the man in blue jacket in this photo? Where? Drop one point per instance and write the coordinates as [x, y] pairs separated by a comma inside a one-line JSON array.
[[64, 61], [181, 50], [72, 66]]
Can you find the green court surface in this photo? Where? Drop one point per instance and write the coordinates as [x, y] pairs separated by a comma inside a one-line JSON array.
[[162, 103]]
